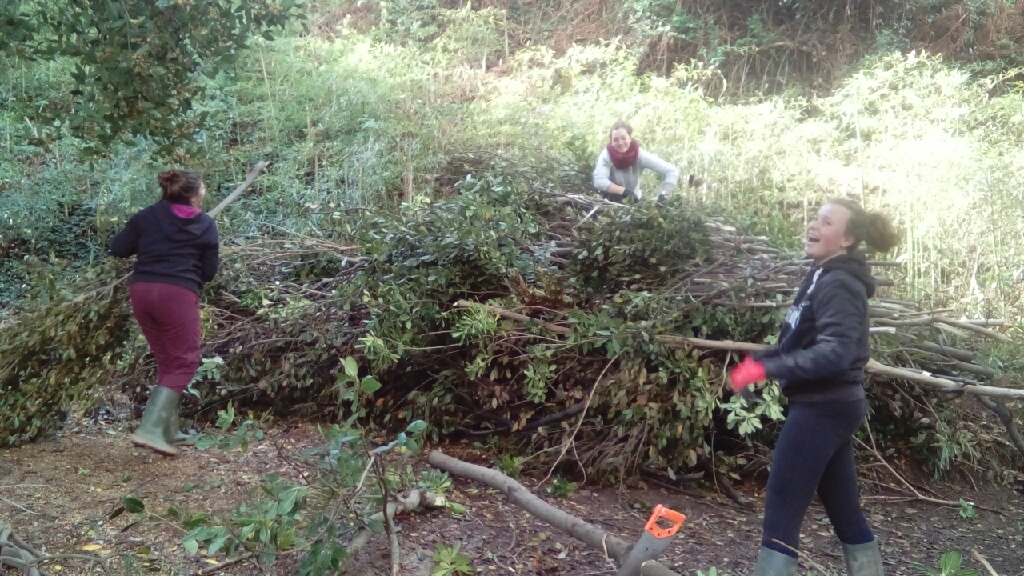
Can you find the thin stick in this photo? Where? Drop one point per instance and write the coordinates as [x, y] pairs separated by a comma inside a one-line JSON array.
[[239, 189], [15, 504], [389, 521], [583, 415], [223, 565], [977, 556], [362, 479], [83, 557], [917, 494], [805, 557]]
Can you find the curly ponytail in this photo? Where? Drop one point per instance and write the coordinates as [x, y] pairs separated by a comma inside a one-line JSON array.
[[874, 229]]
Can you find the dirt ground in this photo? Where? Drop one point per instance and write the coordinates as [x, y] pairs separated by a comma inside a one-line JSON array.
[[58, 494]]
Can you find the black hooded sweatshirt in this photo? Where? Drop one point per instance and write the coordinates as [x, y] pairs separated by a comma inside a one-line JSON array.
[[171, 249], [823, 344]]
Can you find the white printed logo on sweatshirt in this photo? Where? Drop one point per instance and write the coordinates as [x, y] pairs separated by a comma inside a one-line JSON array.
[[793, 316]]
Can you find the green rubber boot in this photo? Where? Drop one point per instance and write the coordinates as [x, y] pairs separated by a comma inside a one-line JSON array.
[[772, 563], [173, 431], [151, 432], [863, 559]]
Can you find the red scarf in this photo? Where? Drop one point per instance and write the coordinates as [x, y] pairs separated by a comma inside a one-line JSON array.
[[623, 160]]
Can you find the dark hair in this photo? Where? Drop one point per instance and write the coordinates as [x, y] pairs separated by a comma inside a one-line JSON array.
[[180, 186], [623, 125], [872, 228]]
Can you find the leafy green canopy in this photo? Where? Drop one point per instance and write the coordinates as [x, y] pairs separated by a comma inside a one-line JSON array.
[[137, 63]]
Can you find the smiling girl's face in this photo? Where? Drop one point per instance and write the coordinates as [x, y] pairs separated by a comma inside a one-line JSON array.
[[621, 139], [826, 234]]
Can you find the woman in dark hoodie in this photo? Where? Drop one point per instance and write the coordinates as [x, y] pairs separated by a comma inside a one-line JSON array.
[[819, 362], [177, 248]]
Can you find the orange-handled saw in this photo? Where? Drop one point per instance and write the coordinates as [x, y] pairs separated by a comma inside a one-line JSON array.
[[654, 539]]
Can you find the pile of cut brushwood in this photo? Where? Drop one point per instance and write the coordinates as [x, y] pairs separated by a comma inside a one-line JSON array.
[[518, 306]]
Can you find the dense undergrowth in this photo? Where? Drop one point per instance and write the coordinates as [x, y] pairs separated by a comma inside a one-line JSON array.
[[438, 141]]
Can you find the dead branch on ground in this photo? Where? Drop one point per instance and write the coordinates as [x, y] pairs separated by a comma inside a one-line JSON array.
[[612, 547], [412, 501]]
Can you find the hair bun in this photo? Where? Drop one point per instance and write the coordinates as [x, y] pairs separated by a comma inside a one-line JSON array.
[[168, 178], [179, 186], [881, 234]]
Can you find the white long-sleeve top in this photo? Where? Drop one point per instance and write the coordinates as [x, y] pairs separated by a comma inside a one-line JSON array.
[[606, 174]]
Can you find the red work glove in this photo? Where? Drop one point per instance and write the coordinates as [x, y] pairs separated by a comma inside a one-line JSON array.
[[746, 373]]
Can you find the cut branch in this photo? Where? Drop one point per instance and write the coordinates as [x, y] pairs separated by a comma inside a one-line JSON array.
[[1006, 417], [249, 178], [872, 367], [572, 437], [975, 328], [414, 500], [614, 548], [954, 353]]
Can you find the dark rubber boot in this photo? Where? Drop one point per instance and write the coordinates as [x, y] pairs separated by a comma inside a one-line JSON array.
[[151, 432], [863, 559], [173, 432], [772, 563]]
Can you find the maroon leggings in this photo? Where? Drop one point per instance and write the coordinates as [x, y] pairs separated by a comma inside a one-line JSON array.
[[169, 317]]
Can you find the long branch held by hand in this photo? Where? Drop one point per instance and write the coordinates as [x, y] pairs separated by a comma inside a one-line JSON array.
[[249, 178]]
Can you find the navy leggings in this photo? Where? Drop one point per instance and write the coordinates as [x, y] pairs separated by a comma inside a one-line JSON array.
[[815, 453]]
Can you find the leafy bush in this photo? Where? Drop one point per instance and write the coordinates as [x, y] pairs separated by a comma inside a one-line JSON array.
[[625, 247], [61, 352]]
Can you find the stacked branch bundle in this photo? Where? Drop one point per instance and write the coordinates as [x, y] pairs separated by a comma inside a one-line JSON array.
[[390, 288], [911, 344], [746, 271]]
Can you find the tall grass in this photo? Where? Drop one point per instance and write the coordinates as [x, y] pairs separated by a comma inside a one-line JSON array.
[[356, 121], [906, 134]]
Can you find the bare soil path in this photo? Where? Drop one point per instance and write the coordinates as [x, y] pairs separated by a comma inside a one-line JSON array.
[[58, 494]]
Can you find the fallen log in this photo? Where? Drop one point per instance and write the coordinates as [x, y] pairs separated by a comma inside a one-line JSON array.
[[611, 546]]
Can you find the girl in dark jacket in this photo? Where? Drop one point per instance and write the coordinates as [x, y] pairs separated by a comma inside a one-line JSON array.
[[819, 362], [177, 248]]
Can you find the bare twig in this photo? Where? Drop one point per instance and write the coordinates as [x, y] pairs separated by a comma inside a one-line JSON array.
[[389, 520], [804, 557], [977, 556], [223, 565], [572, 437], [917, 494], [16, 505], [362, 479], [1006, 417]]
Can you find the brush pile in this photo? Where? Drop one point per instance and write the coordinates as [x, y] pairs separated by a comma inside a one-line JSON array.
[[517, 305]]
